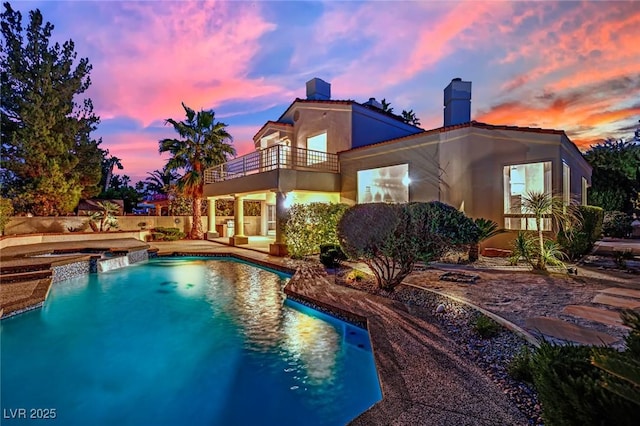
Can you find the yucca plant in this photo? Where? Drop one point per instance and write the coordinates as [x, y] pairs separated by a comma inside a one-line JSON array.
[[488, 228], [545, 205]]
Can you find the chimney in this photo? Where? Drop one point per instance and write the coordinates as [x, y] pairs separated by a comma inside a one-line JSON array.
[[318, 90], [457, 102], [372, 102]]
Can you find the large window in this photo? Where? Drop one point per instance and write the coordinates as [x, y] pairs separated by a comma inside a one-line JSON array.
[[317, 146], [384, 185], [520, 179], [566, 184]]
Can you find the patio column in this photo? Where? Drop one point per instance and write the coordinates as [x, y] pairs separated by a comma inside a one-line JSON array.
[[238, 219], [211, 216], [279, 247]]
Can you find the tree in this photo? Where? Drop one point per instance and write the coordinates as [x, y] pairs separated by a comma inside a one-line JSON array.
[[6, 211], [386, 106], [120, 189], [49, 156], [391, 238], [203, 143], [105, 218], [409, 117], [108, 163], [159, 181], [616, 175]]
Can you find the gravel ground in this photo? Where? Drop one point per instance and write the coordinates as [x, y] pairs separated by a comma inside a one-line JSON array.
[[492, 355]]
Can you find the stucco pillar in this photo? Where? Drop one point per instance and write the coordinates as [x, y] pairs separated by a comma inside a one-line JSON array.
[[211, 216], [263, 218], [238, 222], [279, 247]]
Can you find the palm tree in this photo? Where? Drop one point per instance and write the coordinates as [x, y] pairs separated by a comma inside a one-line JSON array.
[[108, 163], [203, 143], [409, 117], [545, 205], [488, 228], [159, 180], [386, 106]]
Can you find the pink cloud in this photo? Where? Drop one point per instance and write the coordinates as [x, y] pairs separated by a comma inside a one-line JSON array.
[[198, 53]]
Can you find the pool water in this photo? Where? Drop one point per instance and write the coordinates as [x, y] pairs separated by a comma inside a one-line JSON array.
[[183, 341]]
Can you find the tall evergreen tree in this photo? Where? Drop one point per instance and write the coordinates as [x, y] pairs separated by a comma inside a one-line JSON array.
[[49, 158], [204, 142], [616, 175]]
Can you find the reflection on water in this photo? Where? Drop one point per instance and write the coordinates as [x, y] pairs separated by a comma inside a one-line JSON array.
[[207, 342], [256, 301]]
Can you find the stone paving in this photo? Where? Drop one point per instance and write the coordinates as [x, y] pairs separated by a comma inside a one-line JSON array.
[[563, 330]]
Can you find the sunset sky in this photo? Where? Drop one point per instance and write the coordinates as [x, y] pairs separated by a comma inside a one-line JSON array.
[[565, 65]]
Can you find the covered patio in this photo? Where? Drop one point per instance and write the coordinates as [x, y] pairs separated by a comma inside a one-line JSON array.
[[276, 177]]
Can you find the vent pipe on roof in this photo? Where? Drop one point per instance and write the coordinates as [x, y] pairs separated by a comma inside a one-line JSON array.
[[457, 102], [318, 90]]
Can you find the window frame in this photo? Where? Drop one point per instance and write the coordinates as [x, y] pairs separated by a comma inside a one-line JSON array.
[[526, 220]]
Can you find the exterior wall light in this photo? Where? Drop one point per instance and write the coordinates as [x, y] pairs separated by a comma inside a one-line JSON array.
[[406, 180]]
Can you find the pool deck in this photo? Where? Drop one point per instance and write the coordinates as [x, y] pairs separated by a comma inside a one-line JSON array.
[[423, 380]]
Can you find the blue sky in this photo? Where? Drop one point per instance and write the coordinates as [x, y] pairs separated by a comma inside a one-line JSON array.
[[566, 65]]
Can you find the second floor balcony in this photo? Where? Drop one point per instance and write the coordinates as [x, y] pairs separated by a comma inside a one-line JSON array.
[[273, 158]]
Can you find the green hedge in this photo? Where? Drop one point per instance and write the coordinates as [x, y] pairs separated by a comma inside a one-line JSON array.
[[580, 240], [331, 255], [167, 234], [307, 226], [616, 224]]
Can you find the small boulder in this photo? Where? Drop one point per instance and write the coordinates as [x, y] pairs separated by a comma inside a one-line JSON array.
[[440, 308]]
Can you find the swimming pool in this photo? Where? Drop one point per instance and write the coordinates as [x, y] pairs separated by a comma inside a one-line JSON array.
[[183, 341]]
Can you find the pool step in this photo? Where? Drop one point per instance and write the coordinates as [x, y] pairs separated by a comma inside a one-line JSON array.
[[25, 276], [10, 268], [19, 296]]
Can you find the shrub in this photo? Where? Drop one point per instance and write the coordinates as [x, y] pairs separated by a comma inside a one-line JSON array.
[[391, 238], [616, 224], [486, 327], [104, 219], [355, 275], [579, 240], [520, 366], [167, 234], [487, 229], [6, 211], [569, 390], [522, 248], [307, 226], [621, 370], [331, 255]]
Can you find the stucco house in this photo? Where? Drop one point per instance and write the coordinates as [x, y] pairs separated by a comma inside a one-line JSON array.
[[328, 150]]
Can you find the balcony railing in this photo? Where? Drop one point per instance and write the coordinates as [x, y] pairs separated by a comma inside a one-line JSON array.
[[272, 158]]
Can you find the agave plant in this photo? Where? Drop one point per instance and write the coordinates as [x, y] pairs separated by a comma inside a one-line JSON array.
[[488, 228]]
